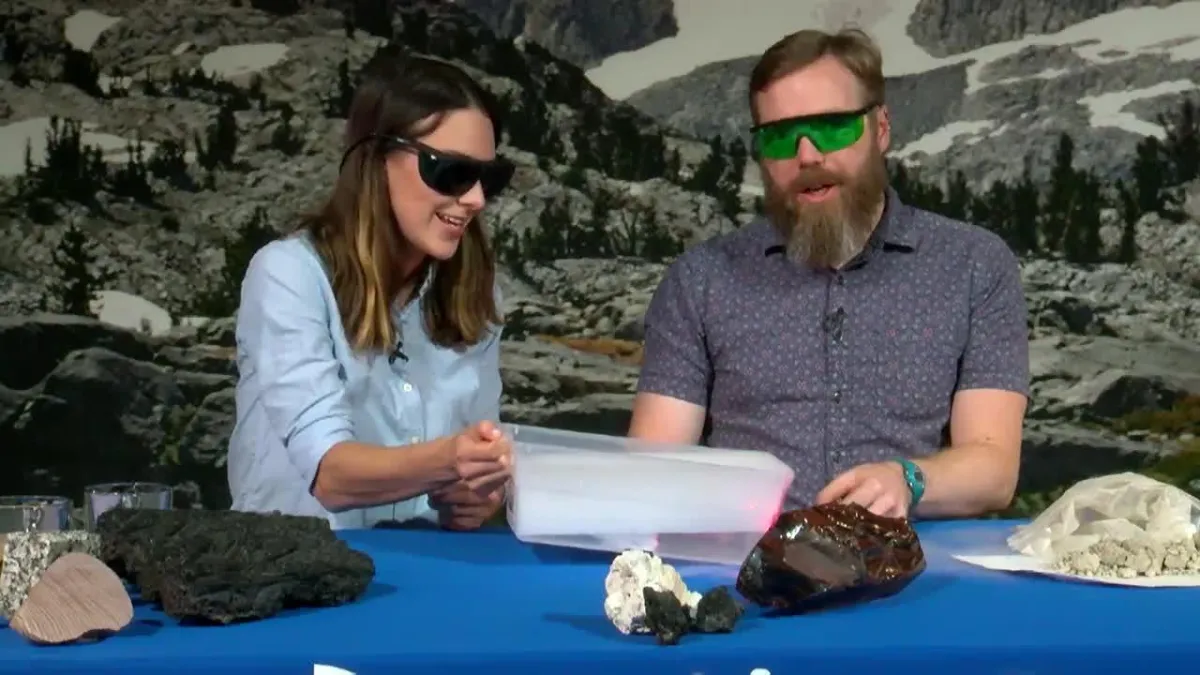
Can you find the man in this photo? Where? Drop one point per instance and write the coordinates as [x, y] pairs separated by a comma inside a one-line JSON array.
[[879, 350]]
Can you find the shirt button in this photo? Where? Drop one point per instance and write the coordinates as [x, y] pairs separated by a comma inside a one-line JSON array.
[[841, 280], [407, 387], [837, 396]]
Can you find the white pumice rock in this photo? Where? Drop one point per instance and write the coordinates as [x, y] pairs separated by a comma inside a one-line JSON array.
[[632, 571]]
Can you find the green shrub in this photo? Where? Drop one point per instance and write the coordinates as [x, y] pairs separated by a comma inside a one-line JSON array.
[[1181, 469], [1183, 417]]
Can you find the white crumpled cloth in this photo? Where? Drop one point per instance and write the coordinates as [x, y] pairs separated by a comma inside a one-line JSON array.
[[1122, 506]]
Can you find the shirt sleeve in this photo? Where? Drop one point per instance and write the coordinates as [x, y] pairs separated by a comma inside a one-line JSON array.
[[675, 360], [997, 353], [283, 328], [491, 386]]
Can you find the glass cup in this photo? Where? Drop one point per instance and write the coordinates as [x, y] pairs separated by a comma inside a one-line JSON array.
[[34, 513], [104, 496]]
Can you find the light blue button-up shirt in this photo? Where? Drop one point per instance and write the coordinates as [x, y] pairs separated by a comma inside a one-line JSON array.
[[302, 389]]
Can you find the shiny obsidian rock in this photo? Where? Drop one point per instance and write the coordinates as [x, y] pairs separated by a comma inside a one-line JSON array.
[[829, 555]]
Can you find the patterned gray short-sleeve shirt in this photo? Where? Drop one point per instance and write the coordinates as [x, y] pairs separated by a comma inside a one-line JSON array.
[[829, 370]]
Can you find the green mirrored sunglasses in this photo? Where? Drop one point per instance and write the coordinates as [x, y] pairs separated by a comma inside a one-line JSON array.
[[828, 132]]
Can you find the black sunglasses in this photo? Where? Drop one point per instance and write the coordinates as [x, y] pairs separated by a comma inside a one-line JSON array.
[[447, 173]]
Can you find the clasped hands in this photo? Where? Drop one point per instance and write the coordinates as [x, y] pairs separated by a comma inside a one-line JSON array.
[[482, 457], [879, 487]]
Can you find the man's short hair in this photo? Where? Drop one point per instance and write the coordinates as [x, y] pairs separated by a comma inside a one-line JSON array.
[[850, 46]]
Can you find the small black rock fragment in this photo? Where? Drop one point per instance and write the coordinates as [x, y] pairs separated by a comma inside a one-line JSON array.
[[717, 612], [226, 566], [666, 617]]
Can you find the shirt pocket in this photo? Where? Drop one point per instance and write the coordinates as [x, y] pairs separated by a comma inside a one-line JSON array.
[[911, 371]]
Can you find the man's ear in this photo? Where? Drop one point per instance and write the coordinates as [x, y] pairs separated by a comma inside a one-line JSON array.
[[883, 128]]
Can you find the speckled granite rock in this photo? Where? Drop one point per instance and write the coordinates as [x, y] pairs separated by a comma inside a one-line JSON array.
[[27, 555]]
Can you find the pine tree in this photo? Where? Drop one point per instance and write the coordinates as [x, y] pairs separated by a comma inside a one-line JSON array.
[[1150, 176], [1026, 205], [658, 243], [79, 278], [553, 237], [1081, 241], [597, 236], [729, 184], [527, 121], [133, 178], [706, 176], [337, 104], [219, 146], [224, 296], [1182, 143], [1060, 198], [994, 210], [958, 197], [374, 17], [1127, 206]]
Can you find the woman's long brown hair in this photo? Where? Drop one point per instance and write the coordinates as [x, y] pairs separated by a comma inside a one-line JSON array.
[[355, 232]]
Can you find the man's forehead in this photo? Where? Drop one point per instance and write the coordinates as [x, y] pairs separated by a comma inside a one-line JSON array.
[[823, 87]]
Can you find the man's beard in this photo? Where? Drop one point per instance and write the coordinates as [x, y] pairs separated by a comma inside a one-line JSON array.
[[825, 235]]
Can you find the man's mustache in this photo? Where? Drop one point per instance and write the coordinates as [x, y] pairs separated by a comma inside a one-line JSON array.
[[813, 179]]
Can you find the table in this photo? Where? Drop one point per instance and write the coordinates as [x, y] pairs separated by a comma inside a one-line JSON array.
[[457, 603]]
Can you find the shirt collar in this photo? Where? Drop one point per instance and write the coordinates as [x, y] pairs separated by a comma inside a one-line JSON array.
[[422, 290]]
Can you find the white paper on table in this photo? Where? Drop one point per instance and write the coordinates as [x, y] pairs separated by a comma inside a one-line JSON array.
[[1016, 562]]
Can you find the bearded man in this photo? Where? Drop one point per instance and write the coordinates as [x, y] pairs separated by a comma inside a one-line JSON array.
[[879, 350]]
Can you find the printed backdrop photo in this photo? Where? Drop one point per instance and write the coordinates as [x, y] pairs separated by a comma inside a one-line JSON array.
[[147, 149]]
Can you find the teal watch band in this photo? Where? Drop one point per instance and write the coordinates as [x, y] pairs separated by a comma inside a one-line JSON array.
[[915, 477]]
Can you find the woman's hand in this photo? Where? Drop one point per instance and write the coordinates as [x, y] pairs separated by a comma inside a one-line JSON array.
[[481, 456], [461, 508]]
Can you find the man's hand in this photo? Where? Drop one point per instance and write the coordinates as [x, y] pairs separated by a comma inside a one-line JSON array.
[[880, 487], [460, 507]]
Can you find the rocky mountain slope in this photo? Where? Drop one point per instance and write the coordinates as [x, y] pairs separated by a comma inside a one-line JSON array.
[[238, 107], [1015, 74], [946, 27], [157, 164], [580, 31]]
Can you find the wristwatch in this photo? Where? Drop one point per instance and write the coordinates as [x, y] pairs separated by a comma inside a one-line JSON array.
[[915, 477]]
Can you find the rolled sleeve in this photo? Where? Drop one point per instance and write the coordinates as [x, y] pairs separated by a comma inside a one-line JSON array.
[[675, 359], [283, 326], [997, 352]]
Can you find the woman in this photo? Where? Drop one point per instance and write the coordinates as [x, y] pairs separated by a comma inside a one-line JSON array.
[[367, 341]]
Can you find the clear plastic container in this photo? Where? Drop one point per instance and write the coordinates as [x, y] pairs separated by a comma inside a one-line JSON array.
[[611, 493]]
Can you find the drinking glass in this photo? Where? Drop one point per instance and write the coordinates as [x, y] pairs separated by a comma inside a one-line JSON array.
[[104, 496], [34, 513]]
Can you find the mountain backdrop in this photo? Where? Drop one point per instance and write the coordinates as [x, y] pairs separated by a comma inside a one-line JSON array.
[[148, 148]]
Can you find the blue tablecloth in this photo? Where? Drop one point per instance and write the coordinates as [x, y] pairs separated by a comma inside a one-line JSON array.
[[484, 603]]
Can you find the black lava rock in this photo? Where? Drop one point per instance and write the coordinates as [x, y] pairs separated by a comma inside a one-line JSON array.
[[226, 566], [666, 617], [717, 612]]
